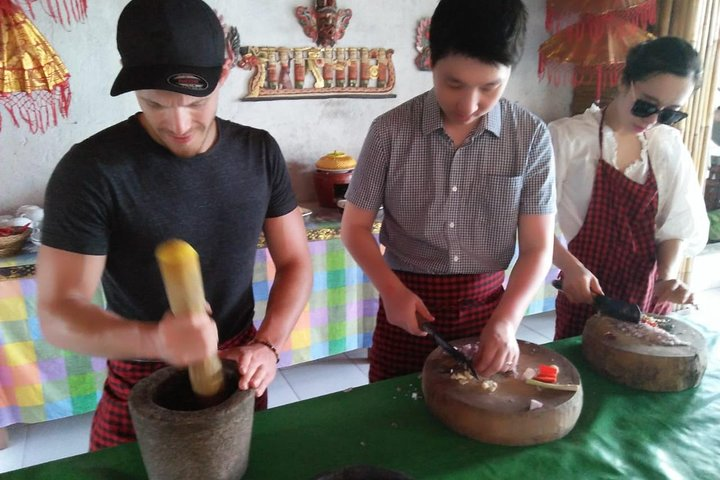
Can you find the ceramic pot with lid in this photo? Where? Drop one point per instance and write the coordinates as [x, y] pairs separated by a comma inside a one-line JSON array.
[[332, 177]]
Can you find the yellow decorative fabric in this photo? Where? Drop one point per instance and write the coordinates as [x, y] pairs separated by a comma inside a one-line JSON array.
[[34, 83], [28, 62]]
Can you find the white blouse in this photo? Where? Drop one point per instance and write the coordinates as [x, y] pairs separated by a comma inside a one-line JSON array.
[[681, 208]]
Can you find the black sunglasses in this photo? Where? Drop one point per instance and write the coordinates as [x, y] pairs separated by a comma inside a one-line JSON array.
[[666, 116]]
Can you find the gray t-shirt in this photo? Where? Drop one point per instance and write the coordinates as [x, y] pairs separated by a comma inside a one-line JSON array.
[[120, 194]]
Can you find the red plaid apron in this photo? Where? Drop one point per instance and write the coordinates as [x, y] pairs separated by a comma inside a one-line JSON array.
[[112, 424], [461, 304], [617, 243]]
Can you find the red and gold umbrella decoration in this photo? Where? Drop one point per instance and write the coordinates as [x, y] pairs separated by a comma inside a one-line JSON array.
[[34, 83], [638, 12], [589, 52]]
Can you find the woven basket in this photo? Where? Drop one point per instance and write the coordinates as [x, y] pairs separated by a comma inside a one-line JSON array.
[[12, 244]]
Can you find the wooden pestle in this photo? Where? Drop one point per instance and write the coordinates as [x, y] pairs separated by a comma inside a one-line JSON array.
[[180, 268]]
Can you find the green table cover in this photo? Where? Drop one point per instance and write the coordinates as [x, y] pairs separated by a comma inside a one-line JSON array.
[[622, 433]]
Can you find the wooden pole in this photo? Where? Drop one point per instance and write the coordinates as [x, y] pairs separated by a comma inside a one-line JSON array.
[[694, 133], [664, 13], [698, 21], [180, 268]]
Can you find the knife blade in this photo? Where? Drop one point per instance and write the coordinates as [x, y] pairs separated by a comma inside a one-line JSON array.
[[452, 350], [619, 309]]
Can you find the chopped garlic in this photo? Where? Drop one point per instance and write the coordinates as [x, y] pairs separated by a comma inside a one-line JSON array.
[[489, 385], [466, 377]]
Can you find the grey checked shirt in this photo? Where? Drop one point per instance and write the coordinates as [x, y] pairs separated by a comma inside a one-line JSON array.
[[448, 210]]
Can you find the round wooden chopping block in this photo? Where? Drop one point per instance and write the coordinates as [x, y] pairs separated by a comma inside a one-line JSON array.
[[614, 352], [503, 417]]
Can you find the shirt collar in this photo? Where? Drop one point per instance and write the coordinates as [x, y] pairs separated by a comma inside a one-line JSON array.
[[493, 120], [432, 117]]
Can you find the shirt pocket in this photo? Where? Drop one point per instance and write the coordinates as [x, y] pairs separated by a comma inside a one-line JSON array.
[[494, 212]]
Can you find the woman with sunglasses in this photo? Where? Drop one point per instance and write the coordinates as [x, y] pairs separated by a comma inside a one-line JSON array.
[[629, 204]]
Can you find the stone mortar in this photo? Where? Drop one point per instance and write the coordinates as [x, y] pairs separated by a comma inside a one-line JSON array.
[[179, 438]]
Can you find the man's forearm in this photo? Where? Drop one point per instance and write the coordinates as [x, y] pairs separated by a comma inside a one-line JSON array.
[[82, 327], [366, 252]]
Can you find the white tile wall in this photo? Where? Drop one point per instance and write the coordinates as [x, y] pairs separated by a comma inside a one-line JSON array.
[[706, 268]]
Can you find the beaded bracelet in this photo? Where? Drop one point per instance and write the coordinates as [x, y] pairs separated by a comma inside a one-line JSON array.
[[270, 346]]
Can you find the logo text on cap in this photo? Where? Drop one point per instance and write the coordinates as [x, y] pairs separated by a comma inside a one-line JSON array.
[[189, 81]]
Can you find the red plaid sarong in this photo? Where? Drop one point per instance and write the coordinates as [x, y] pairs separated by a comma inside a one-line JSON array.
[[617, 244], [461, 305], [111, 423]]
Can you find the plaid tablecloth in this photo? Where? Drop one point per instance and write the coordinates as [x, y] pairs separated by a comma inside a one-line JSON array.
[[340, 315], [40, 382]]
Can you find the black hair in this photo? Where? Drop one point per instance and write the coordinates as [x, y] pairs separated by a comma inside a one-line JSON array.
[[662, 55], [492, 31]]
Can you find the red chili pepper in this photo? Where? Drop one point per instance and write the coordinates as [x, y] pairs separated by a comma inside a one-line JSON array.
[[648, 321], [548, 369], [7, 231], [547, 373]]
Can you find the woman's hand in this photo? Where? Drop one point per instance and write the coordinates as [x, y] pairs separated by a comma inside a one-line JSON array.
[[579, 284], [673, 290]]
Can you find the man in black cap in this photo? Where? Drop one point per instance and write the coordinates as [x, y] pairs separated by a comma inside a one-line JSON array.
[[173, 170]]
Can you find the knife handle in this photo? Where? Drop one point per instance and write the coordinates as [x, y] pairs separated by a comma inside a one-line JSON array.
[[558, 284], [427, 327], [449, 348], [619, 309]]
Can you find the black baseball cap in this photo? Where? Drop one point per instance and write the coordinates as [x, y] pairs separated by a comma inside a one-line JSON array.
[[175, 45]]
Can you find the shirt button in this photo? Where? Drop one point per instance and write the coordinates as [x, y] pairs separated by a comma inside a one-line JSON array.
[[456, 258], [452, 225], [454, 188]]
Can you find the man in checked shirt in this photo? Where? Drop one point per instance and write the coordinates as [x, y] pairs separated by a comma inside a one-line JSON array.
[[462, 174]]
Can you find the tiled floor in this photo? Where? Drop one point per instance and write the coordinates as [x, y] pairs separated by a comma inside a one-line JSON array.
[[43, 442]]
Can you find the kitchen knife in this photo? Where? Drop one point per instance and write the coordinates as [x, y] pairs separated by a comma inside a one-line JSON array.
[[619, 309], [450, 349]]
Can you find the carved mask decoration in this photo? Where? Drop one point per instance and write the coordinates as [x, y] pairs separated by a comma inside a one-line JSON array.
[[325, 23]]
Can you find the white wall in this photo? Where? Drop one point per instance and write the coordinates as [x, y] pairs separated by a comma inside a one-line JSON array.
[[305, 129]]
